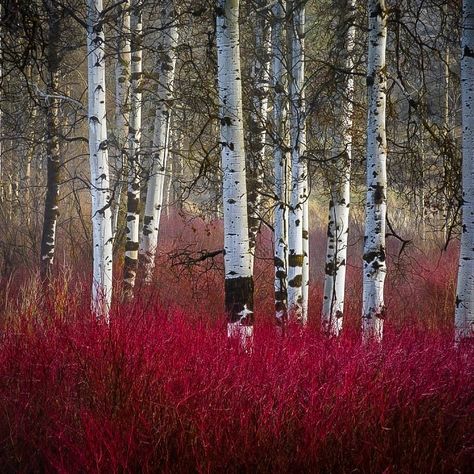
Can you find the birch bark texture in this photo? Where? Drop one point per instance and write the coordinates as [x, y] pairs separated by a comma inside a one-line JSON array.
[[374, 260], [167, 44], [53, 155], [297, 306], [122, 103], [280, 164], [464, 313], [258, 121], [134, 139], [338, 223], [99, 166], [237, 255]]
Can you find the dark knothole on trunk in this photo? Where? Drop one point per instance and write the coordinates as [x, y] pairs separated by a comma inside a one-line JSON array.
[[295, 260], [239, 295]]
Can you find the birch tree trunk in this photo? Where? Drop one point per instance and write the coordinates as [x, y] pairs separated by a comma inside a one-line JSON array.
[[99, 166], [167, 44], [237, 255], [374, 268], [338, 225], [280, 163], [299, 174], [122, 103], [134, 136], [258, 121], [51, 205], [464, 314]]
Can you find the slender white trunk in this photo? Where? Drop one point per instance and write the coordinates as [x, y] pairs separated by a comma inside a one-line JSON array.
[[281, 163], [134, 140], [154, 199], [99, 166], [122, 103], [299, 172], [338, 225], [258, 121], [464, 315], [374, 268], [52, 106], [237, 255]]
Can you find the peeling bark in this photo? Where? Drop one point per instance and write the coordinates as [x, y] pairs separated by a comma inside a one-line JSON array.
[[374, 264]]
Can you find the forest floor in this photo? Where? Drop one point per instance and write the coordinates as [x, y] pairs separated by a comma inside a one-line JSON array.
[[162, 390]]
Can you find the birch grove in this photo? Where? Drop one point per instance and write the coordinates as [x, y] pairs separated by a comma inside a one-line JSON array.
[[241, 118], [375, 268], [167, 44], [237, 255], [464, 314], [338, 225], [99, 167]]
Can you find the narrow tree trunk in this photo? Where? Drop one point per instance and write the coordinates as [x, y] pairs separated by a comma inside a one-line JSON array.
[[338, 225], [134, 136], [464, 315], [122, 104], [51, 205], [373, 308], [237, 255], [281, 163], [299, 172], [99, 166], [258, 121], [154, 199]]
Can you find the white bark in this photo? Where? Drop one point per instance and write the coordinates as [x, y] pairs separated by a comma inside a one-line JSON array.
[[134, 140], [101, 214], [168, 42], [281, 163], [122, 103], [258, 121], [338, 225], [464, 315], [374, 270], [237, 255], [299, 173]]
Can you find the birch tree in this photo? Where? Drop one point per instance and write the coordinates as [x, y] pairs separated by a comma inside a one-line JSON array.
[[99, 166], [134, 136], [280, 163], [122, 101], [374, 264], [297, 305], [237, 255], [52, 105], [464, 314], [167, 44], [258, 120], [338, 225]]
